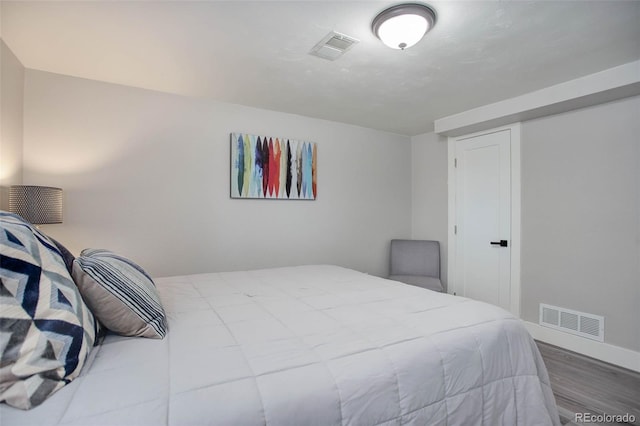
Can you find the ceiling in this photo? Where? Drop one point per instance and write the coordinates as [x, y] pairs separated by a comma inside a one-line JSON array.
[[256, 53]]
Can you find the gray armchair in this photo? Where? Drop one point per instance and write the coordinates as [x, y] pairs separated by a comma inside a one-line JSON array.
[[416, 262]]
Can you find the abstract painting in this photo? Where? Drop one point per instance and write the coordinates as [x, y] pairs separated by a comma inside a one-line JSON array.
[[272, 167]]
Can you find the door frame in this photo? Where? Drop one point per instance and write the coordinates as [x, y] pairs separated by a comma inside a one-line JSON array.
[[452, 284]]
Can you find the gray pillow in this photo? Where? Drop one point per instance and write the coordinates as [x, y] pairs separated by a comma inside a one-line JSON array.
[[120, 294]]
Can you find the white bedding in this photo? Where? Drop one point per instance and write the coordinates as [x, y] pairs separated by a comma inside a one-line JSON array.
[[312, 345]]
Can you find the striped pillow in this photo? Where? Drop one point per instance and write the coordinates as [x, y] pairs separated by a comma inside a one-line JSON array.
[[120, 293]]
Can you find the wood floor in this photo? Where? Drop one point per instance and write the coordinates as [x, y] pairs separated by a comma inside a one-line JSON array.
[[586, 385]]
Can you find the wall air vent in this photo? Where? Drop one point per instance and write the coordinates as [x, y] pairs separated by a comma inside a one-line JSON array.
[[333, 46], [574, 322]]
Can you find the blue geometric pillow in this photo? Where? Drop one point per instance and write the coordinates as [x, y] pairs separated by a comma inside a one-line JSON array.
[[67, 256], [47, 330]]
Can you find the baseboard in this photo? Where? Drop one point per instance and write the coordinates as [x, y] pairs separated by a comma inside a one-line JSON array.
[[603, 351]]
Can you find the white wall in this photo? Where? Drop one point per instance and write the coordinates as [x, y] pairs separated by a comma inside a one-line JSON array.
[[429, 193], [147, 174], [11, 126], [580, 216]]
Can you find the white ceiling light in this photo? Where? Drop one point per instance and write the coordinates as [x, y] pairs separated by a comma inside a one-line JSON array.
[[403, 25]]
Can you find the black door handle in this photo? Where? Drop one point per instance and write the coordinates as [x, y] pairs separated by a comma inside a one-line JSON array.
[[501, 243]]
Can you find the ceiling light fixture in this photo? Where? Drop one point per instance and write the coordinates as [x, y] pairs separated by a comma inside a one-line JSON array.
[[403, 25]]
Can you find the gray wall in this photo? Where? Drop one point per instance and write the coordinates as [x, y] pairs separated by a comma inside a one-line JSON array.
[[580, 216], [11, 125], [429, 193], [580, 212], [147, 174]]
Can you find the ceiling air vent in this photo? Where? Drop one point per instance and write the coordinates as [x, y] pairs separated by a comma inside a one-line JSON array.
[[333, 46]]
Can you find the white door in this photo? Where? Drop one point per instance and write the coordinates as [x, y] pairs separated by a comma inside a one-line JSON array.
[[483, 217]]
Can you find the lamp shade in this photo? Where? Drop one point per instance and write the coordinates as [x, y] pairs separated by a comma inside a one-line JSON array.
[[36, 204], [403, 25]]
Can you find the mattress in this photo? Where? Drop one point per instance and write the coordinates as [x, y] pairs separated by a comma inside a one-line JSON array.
[[310, 345]]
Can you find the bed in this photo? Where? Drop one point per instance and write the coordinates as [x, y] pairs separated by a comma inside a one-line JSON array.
[[309, 345], [306, 345]]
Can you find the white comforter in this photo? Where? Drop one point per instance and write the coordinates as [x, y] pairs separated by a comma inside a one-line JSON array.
[[312, 345]]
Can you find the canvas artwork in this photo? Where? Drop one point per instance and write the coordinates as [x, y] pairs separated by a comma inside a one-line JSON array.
[[270, 167]]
